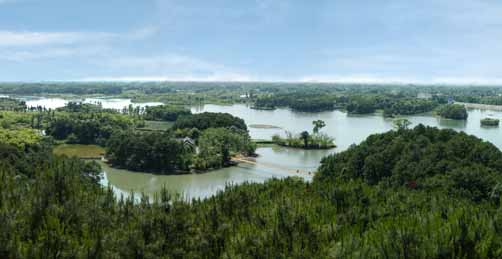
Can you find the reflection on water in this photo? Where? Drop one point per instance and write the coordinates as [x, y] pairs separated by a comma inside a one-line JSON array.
[[273, 161]]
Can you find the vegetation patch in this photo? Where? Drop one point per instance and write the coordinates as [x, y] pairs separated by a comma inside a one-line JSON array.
[[80, 151], [20, 138], [158, 125]]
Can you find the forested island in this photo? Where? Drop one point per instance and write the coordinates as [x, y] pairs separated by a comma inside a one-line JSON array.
[[306, 140], [489, 122], [453, 111]]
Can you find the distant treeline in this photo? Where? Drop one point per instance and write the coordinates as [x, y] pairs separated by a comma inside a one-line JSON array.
[[356, 104]]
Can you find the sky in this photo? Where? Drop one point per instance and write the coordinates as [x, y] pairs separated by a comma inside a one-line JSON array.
[[365, 41]]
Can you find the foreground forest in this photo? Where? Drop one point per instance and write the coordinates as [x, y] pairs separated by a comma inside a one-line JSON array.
[[409, 193]]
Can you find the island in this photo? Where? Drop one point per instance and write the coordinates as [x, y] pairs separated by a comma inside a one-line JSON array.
[[453, 111], [306, 140], [490, 122]]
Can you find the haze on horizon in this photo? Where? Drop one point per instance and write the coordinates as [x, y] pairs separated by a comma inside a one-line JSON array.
[[431, 41]]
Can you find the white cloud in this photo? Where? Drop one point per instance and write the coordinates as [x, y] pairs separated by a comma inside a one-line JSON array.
[[34, 38], [45, 54], [142, 33], [19, 46], [167, 67], [22, 39]]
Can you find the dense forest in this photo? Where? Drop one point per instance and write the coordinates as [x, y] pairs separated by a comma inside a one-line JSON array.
[[419, 193], [87, 128], [208, 120], [162, 152]]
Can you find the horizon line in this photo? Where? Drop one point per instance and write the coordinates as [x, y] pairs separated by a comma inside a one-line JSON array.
[[369, 82]]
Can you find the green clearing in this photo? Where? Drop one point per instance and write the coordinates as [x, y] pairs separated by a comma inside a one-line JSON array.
[[158, 125], [80, 151]]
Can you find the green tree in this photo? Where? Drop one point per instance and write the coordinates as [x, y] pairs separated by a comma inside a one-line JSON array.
[[305, 137], [401, 124], [318, 125]]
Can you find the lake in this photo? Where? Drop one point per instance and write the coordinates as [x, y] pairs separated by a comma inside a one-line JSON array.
[[273, 161], [279, 162], [106, 103]]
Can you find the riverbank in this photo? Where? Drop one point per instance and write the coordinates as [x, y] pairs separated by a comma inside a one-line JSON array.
[[263, 126]]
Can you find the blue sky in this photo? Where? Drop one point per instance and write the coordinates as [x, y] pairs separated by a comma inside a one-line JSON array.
[[427, 41]]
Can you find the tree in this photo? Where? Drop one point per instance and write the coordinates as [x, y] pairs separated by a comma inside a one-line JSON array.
[[318, 125], [401, 124], [305, 137]]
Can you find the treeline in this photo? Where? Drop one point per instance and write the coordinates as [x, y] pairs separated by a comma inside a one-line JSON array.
[[165, 113], [490, 100], [9, 104], [60, 88], [420, 193], [297, 101], [354, 104]]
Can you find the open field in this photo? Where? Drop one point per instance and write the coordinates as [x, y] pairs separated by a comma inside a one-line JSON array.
[[80, 151], [158, 125]]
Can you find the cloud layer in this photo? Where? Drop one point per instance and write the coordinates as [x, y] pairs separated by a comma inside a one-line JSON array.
[[431, 41]]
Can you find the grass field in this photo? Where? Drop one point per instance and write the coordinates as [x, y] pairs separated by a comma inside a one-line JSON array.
[[158, 125], [80, 151]]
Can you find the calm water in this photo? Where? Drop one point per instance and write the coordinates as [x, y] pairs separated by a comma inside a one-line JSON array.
[[107, 103], [273, 161], [278, 162]]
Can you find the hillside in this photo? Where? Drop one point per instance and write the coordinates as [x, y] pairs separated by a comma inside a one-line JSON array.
[[420, 193]]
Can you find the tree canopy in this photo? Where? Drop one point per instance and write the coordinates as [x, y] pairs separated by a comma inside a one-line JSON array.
[[206, 120]]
